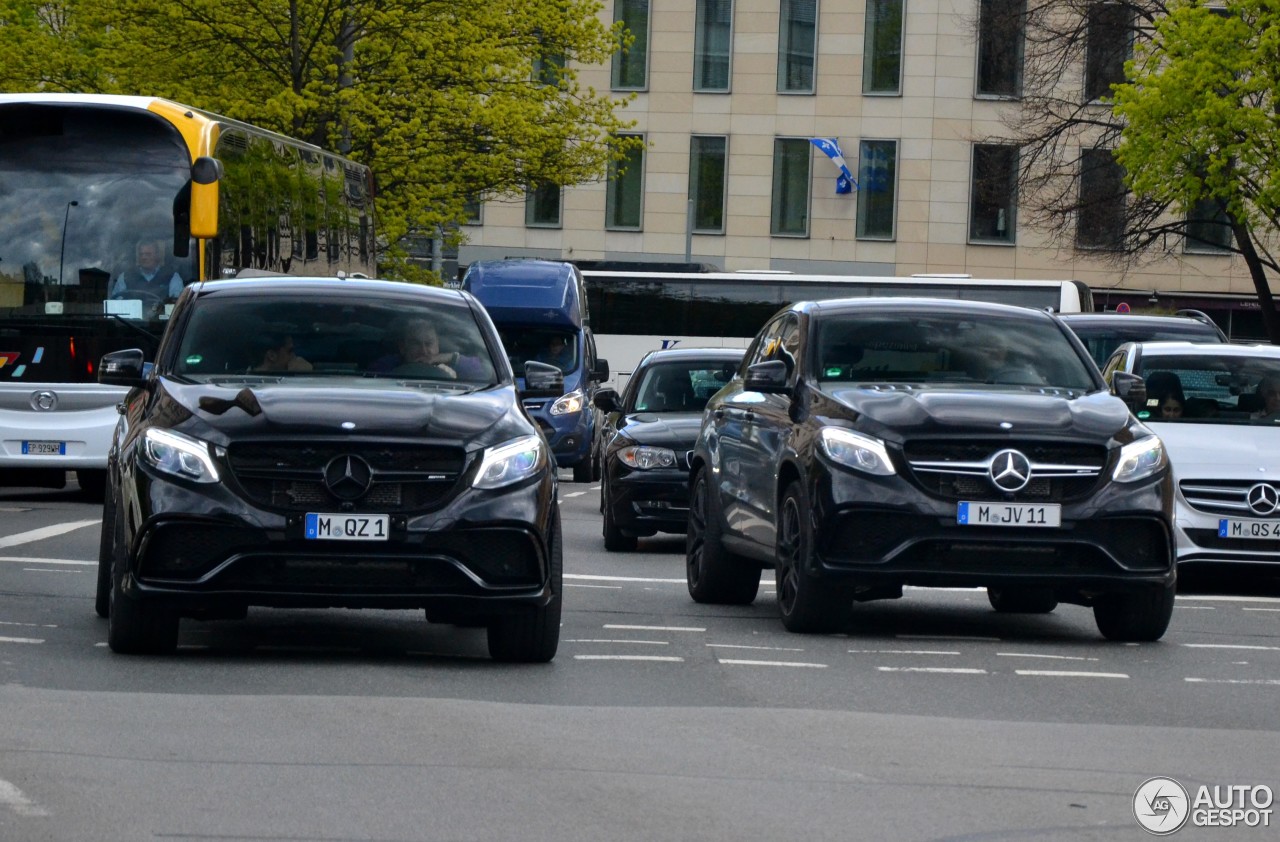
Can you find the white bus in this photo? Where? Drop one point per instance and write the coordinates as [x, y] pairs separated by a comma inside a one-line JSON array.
[[635, 312]]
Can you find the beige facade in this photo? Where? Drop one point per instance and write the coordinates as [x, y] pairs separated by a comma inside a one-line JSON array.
[[935, 120]]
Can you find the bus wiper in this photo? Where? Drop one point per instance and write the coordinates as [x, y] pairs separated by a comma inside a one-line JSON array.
[[137, 328]]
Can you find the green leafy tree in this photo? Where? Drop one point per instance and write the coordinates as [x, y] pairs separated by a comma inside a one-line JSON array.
[[1202, 124], [446, 100]]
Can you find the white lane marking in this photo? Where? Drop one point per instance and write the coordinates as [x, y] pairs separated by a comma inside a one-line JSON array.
[[13, 509], [31, 625], [674, 659], [589, 578], [1260, 609], [1053, 657], [1229, 598], [598, 587], [574, 494], [18, 802], [948, 670], [1072, 674], [614, 640], [50, 570], [1230, 646], [764, 648], [20, 559], [20, 640], [743, 663], [946, 637], [1271, 682], [1196, 607], [903, 652], [47, 532], [654, 628]]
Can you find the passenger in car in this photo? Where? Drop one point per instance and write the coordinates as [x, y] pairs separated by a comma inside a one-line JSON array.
[[1268, 398], [275, 352], [1165, 387], [418, 347]]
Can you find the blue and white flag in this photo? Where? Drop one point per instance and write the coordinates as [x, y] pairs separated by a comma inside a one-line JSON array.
[[830, 146]]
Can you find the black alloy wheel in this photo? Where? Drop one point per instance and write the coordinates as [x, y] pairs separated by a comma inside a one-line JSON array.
[[615, 540], [1137, 617], [133, 626], [713, 574], [106, 555], [807, 604]]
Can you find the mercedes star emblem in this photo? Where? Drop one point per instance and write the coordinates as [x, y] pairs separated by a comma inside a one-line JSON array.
[[1263, 499], [348, 477], [1010, 471]]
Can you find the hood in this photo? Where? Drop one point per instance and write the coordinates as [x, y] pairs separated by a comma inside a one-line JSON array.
[[908, 412], [676, 430], [1221, 451], [305, 406]]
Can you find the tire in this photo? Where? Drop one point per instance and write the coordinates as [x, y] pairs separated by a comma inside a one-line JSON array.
[[582, 471], [1022, 600], [1138, 617], [807, 604], [713, 574], [134, 627], [532, 636], [93, 484], [615, 541], [106, 554]]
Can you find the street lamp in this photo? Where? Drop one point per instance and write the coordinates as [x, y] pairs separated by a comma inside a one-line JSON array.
[[62, 255]]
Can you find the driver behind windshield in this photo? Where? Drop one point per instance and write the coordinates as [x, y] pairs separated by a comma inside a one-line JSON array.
[[151, 276]]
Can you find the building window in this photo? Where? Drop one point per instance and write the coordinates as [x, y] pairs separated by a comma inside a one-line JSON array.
[[1208, 228], [547, 69], [624, 196], [877, 189], [1108, 44], [542, 206], [472, 211], [631, 65], [790, 216], [993, 204], [712, 45], [1001, 28], [797, 45], [882, 49], [1100, 215], [707, 162]]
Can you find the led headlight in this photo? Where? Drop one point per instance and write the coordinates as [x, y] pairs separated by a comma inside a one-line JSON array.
[[179, 455], [642, 457], [511, 462], [569, 403], [1141, 459], [854, 450]]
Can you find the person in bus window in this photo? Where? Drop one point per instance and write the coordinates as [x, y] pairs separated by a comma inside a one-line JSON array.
[[151, 277]]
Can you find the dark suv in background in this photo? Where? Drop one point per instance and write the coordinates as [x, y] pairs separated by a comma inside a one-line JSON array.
[[875, 443], [322, 442], [1103, 333]]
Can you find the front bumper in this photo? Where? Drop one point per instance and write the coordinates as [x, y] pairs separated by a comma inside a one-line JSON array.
[[1200, 546]]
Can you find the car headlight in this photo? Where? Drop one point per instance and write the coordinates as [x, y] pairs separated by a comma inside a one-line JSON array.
[[179, 455], [854, 450], [1141, 459], [566, 404], [511, 462], [642, 457]]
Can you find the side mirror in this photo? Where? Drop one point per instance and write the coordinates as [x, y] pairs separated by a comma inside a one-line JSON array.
[[122, 368], [607, 400], [601, 371], [205, 173], [769, 377], [543, 378], [1131, 389]]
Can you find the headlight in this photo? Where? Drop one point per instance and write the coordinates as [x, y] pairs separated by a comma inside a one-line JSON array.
[[1140, 459], [854, 450], [179, 455], [566, 404], [643, 457], [511, 462]]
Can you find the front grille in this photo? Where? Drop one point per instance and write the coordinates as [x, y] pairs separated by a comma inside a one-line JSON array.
[[290, 478], [1223, 497], [960, 470]]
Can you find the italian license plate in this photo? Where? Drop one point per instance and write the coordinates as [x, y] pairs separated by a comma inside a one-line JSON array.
[[341, 527], [44, 448], [1008, 514], [1231, 528]]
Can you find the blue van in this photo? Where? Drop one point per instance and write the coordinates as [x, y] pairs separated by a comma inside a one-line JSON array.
[[540, 309]]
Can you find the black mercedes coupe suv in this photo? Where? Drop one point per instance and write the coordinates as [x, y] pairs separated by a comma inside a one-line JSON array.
[[870, 444], [324, 442]]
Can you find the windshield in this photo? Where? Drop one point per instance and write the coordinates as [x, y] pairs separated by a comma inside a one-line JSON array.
[[554, 346], [287, 336], [948, 348], [1218, 389], [681, 387]]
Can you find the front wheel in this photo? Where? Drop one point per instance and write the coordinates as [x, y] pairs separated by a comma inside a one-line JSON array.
[[133, 626], [713, 574], [615, 540], [532, 635], [1141, 616], [806, 603], [107, 541]]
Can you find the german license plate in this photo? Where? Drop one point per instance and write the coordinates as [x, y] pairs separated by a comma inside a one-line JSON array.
[[44, 448], [342, 527], [1008, 514], [1231, 528]]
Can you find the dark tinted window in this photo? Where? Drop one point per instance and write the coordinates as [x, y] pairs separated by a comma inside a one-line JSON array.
[[1103, 339]]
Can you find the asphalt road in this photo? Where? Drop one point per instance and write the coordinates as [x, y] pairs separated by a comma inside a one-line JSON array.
[[932, 718]]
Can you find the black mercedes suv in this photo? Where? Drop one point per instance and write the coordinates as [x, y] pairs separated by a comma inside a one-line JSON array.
[[869, 444], [326, 442]]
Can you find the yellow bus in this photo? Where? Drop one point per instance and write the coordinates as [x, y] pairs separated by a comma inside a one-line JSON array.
[[109, 205]]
